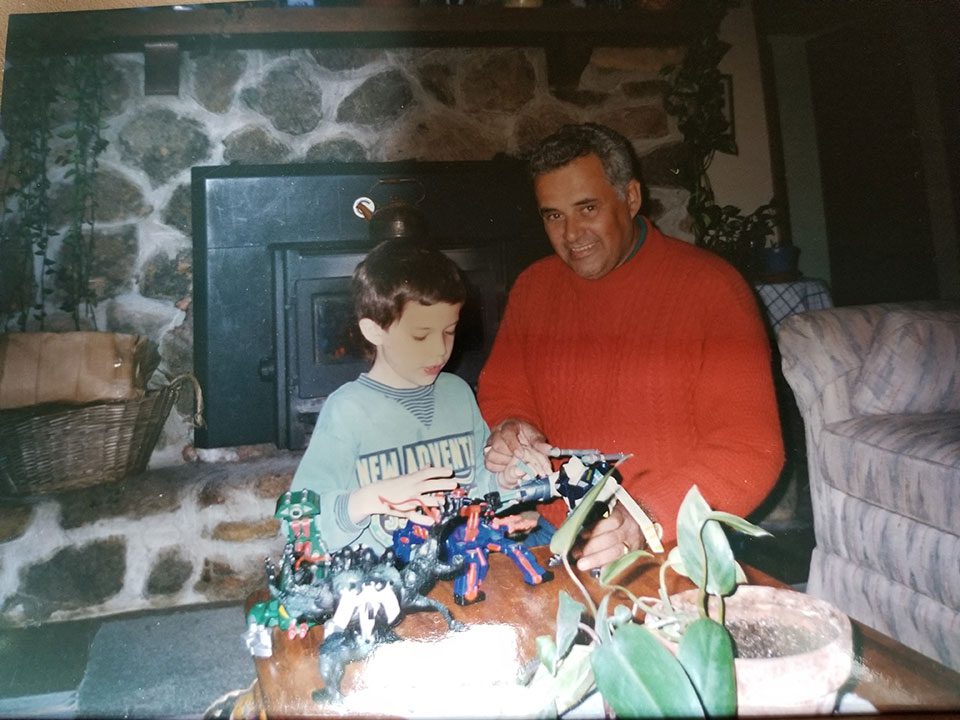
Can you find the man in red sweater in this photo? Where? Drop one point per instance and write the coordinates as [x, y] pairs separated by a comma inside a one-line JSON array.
[[627, 340]]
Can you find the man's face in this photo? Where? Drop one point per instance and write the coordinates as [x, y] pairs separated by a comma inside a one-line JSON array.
[[589, 225], [412, 351]]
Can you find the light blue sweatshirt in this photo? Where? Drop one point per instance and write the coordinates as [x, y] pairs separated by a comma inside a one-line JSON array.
[[367, 432]]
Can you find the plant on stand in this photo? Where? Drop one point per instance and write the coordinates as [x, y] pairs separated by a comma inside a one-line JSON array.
[[629, 663], [696, 97]]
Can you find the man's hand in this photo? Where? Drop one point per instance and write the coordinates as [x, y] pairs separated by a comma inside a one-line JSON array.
[[405, 496], [611, 538], [512, 441]]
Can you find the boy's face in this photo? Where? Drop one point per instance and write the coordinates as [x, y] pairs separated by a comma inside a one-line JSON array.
[[412, 351]]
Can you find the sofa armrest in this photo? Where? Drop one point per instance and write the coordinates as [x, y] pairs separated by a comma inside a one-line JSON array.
[[822, 353]]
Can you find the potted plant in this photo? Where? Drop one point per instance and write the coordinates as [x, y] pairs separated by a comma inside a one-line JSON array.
[[690, 655], [695, 96]]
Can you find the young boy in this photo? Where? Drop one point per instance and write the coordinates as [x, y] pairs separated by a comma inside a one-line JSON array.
[[387, 443]]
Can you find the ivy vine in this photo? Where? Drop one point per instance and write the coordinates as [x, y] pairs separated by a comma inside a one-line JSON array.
[[86, 92], [36, 272], [695, 96]]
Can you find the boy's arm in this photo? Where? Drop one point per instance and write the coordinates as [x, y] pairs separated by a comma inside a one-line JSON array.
[[328, 467], [484, 481], [405, 496]]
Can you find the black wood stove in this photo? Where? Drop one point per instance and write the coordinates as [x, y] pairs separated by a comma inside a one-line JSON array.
[[274, 249]]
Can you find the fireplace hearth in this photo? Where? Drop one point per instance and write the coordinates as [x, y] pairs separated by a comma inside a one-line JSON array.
[[274, 249]]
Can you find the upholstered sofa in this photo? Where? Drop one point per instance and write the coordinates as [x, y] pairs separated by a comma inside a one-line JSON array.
[[878, 387]]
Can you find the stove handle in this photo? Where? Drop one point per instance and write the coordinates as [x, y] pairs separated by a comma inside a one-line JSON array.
[[267, 369]]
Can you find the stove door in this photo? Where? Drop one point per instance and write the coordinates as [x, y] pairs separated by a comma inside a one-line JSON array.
[[319, 347]]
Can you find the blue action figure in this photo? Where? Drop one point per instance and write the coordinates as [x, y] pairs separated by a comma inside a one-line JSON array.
[[479, 534]]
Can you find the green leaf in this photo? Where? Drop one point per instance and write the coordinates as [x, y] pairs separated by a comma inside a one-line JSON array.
[[569, 612], [738, 523], [547, 653], [574, 679], [706, 653], [638, 677], [676, 562], [704, 547], [566, 535], [612, 570], [602, 624], [621, 616]]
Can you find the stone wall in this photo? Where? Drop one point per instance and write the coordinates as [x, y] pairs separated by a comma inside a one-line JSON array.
[[172, 536], [298, 106], [187, 532]]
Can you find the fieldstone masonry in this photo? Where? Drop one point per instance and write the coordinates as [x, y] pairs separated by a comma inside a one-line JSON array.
[[187, 533], [173, 536], [326, 105]]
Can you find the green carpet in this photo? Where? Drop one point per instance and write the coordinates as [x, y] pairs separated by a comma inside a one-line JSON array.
[[170, 665]]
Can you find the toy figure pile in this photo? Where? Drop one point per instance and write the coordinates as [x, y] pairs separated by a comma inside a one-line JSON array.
[[359, 596]]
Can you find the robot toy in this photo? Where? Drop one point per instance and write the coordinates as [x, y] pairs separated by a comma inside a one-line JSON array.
[[478, 533], [299, 511], [583, 470], [300, 598], [372, 599], [475, 539]]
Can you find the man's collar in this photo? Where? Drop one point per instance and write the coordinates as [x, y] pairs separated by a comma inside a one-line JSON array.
[[641, 236]]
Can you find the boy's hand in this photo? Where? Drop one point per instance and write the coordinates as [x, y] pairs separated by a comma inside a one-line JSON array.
[[406, 496]]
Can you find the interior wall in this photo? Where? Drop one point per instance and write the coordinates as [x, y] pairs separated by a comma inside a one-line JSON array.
[[941, 196], [801, 162], [745, 179]]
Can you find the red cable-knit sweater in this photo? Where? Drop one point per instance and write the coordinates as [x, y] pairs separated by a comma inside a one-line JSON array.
[[665, 357]]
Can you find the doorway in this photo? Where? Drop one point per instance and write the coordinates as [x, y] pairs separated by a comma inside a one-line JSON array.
[[874, 189]]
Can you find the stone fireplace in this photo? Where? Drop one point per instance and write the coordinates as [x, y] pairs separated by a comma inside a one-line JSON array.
[[189, 532], [295, 322], [296, 108]]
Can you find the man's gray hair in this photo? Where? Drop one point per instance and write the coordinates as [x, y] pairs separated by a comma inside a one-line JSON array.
[[573, 141]]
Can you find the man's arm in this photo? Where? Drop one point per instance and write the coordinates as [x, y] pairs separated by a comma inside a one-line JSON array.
[[514, 449], [505, 394], [739, 454], [504, 390]]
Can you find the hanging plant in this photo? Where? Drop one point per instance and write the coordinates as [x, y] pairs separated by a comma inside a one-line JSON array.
[[696, 97], [36, 86], [86, 92], [25, 230]]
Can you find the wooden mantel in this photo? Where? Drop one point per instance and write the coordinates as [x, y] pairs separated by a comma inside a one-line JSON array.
[[567, 34]]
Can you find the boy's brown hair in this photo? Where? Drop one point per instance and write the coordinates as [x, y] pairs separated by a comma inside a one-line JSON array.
[[396, 272]]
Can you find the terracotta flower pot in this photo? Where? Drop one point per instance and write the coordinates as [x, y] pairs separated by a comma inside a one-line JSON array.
[[794, 651]]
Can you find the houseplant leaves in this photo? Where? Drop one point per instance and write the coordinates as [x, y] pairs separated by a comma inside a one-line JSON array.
[[702, 545], [706, 653], [639, 677], [566, 535]]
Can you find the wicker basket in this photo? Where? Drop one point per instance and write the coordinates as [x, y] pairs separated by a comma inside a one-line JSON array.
[[51, 448]]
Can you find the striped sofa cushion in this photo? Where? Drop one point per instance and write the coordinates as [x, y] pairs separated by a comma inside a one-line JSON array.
[[913, 365], [906, 464]]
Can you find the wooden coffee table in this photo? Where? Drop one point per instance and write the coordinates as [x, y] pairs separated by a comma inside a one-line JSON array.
[[889, 675]]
